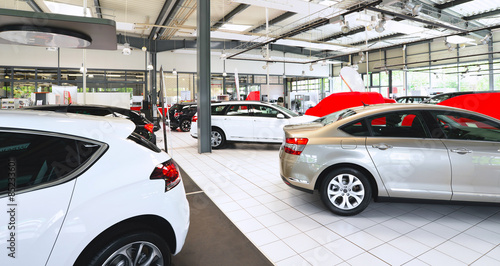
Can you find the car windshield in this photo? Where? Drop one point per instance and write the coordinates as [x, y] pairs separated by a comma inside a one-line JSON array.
[[439, 98], [286, 111], [333, 117]]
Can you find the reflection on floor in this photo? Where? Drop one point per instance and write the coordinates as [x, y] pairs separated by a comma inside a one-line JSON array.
[[293, 228]]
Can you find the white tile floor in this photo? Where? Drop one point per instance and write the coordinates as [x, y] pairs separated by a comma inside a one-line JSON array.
[[293, 228]]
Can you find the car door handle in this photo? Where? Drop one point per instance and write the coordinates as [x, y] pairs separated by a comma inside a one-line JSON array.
[[461, 151], [382, 146]]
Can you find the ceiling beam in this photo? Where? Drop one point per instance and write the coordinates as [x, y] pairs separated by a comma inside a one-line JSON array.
[[435, 60], [375, 40], [302, 28], [451, 4], [394, 14], [162, 18], [341, 34], [98, 10], [230, 15], [275, 20], [482, 15], [34, 6]]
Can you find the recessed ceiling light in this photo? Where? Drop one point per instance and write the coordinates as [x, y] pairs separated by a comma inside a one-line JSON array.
[[235, 27], [458, 39], [67, 9]]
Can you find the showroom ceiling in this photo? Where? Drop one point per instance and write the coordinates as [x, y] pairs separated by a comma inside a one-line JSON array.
[[319, 28]]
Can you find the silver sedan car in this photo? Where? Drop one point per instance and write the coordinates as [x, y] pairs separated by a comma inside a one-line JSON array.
[[394, 151]]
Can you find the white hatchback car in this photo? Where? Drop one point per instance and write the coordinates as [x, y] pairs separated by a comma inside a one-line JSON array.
[[250, 121], [86, 190]]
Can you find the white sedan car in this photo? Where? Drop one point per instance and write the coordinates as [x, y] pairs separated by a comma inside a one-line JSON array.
[[85, 190], [248, 121]]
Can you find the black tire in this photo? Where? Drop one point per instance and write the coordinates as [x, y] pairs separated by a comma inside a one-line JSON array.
[[346, 191], [185, 125], [217, 138], [154, 246]]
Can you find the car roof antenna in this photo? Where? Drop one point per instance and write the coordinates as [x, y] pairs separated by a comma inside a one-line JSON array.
[[364, 104]]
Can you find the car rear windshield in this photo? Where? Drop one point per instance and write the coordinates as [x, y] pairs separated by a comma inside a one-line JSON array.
[[143, 142], [333, 117]]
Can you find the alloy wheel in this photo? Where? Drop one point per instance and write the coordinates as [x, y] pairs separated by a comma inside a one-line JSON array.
[[136, 253], [346, 191]]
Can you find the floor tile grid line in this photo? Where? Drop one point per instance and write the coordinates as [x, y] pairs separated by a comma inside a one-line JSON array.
[[446, 240], [485, 254]]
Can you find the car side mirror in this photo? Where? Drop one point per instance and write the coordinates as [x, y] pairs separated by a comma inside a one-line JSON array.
[[280, 116]]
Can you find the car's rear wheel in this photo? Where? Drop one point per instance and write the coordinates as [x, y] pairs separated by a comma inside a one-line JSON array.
[[218, 138], [140, 248], [346, 191], [185, 125]]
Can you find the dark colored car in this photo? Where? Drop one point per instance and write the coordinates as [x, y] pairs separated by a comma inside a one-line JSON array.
[[143, 126], [445, 96], [411, 99], [180, 115]]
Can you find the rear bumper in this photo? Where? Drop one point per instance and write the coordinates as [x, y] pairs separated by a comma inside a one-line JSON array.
[[296, 187]]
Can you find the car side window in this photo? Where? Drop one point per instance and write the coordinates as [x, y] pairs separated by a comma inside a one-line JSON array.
[[457, 125], [358, 128], [264, 111], [35, 159], [218, 109], [406, 124], [238, 110]]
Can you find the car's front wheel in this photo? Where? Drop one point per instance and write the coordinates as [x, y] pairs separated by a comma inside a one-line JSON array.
[[218, 138], [185, 125], [140, 248], [346, 191]]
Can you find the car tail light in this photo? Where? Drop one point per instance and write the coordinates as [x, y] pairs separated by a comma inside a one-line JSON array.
[[149, 127], [295, 146], [194, 119], [168, 172]]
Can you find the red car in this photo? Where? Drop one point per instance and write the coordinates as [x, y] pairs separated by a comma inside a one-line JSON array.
[[342, 100], [484, 103]]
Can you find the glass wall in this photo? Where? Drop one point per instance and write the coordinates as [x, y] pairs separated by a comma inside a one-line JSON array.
[[20, 82]]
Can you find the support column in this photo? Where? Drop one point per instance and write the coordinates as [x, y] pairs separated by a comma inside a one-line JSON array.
[[150, 102], [203, 65], [491, 77]]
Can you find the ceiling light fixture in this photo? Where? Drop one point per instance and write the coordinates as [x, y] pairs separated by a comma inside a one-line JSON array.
[[380, 24], [44, 36], [150, 67], [311, 67], [412, 8], [362, 57], [345, 26], [449, 46], [486, 39], [144, 48], [174, 72], [223, 55], [83, 69], [126, 49]]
